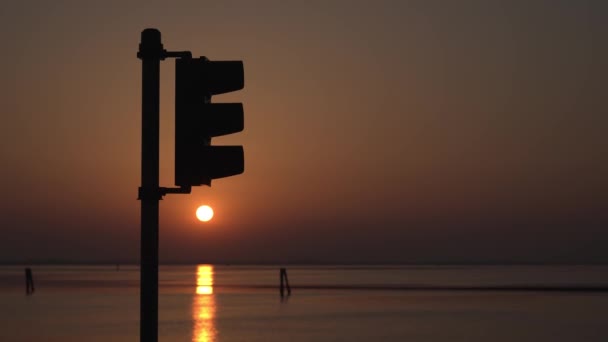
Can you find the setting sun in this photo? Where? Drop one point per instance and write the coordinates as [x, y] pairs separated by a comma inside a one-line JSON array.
[[204, 213]]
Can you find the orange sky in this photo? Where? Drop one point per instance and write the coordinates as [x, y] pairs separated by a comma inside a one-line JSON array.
[[385, 131]]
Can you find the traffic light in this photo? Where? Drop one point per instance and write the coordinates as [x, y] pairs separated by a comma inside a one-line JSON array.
[[197, 120]]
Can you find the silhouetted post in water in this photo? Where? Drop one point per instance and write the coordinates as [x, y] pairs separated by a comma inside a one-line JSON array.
[[284, 282], [29, 282]]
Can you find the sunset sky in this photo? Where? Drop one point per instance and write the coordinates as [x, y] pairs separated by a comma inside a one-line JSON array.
[[375, 131]]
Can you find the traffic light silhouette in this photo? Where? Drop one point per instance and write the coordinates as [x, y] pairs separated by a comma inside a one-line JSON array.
[[198, 120]]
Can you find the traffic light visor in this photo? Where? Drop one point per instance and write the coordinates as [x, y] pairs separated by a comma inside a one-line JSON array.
[[223, 76]]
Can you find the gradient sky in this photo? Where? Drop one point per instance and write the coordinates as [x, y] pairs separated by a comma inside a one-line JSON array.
[[375, 131]]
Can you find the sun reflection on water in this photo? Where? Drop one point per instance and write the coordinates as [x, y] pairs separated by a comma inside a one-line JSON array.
[[203, 306]]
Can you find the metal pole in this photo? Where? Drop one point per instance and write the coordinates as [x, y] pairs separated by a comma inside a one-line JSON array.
[[151, 53]]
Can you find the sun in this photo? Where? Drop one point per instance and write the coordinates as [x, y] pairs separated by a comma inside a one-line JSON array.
[[204, 213]]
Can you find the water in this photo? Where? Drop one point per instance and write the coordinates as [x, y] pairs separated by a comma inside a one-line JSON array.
[[236, 303]]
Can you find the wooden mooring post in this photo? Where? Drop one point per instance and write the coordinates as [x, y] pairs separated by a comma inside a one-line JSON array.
[[284, 283], [29, 281]]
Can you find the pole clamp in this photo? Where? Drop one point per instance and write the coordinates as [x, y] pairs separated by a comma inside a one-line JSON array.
[[159, 193], [149, 194]]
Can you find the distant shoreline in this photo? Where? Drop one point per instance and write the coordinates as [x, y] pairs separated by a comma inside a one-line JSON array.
[[299, 264]]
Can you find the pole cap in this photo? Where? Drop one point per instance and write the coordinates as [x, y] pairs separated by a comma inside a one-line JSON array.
[[151, 46]]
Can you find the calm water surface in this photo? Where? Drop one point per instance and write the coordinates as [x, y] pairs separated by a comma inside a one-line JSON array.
[[236, 303]]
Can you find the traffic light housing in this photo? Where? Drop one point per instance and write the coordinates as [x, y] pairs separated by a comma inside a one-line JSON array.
[[197, 120]]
